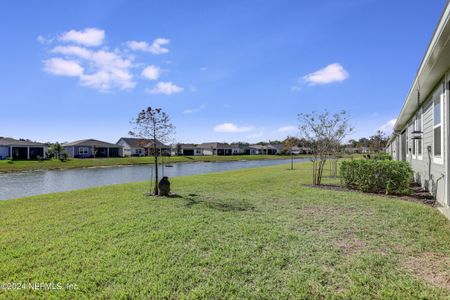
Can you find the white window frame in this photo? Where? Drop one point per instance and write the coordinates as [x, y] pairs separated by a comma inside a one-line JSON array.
[[419, 115], [83, 150], [412, 127], [439, 159], [407, 141], [410, 143]]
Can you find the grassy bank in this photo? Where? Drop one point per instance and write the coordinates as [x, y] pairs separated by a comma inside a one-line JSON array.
[[29, 165], [252, 233]]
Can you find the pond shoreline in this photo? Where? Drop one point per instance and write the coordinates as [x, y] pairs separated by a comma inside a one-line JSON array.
[[30, 183], [46, 165]]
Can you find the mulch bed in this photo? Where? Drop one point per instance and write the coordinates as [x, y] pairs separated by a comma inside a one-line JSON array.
[[418, 194]]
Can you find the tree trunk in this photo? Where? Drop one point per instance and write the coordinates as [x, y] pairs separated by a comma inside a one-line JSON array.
[[320, 171], [314, 172], [156, 190]]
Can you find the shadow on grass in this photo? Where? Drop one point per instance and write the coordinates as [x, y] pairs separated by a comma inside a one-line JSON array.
[[194, 199]]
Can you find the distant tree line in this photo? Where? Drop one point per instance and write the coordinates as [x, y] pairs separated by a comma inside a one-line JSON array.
[[375, 143]]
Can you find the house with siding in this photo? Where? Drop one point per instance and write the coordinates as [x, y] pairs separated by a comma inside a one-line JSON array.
[[21, 149], [238, 148], [299, 150], [186, 150], [352, 150], [422, 131], [215, 148], [141, 147], [265, 149], [91, 148]]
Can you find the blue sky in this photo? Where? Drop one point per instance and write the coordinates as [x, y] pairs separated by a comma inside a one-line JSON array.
[[223, 70]]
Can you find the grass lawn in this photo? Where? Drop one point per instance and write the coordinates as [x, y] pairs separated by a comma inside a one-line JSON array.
[[29, 165], [252, 233]]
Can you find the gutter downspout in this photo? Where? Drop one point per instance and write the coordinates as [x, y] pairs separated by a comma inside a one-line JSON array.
[[447, 140]]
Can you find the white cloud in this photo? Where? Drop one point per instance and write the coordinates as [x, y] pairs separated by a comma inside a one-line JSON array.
[[111, 70], [296, 88], [194, 110], [104, 69], [231, 128], [73, 51], [106, 80], [287, 129], [167, 88], [331, 73], [388, 126], [62, 67], [151, 72], [43, 40], [101, 68], [88, 37], [156, 47]]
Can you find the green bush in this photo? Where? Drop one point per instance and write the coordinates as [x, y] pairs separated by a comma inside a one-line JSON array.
[[378, 156], [389, 176]]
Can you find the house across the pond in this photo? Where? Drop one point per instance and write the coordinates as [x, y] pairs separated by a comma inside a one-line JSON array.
[[141, 147], [186, 150], [21, 149], [216, 149], [92, 148], [265, 149]]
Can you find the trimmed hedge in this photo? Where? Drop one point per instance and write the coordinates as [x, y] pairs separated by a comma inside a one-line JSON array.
[[378, 156], [389, 176]]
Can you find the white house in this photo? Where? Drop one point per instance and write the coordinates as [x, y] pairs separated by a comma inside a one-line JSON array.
[[265, 149], [141, 147], [421, 132], [217, 149]]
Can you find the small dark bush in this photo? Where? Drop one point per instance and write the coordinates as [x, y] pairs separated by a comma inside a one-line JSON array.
[[389, 176], [63, 156]]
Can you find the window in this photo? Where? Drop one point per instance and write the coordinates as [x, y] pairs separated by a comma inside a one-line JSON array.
[[83, 150], [437, 128]]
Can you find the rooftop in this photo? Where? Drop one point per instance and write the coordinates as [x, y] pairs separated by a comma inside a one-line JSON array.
[[90, 143], [7, 141], [140, 142]]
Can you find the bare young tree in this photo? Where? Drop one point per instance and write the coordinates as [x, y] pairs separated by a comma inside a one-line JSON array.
[[289, 143], [378, 141], [324, 133], [153, 124]]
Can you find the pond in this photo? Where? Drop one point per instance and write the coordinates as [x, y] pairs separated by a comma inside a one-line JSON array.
[[15, 185]]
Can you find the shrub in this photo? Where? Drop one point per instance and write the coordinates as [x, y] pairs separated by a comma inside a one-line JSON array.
[[389, 176], [378, 156], [63, 156]]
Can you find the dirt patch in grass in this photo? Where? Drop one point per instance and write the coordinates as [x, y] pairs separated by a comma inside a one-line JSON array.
[[328, 211], [350, 244], [417, 196], [431, 267]]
